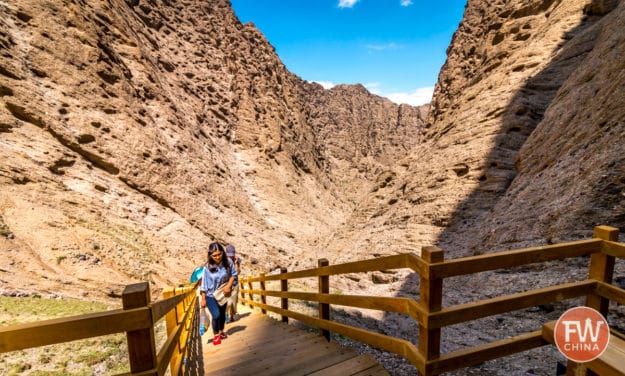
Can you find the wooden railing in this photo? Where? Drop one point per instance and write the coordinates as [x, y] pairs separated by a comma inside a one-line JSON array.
[[138, 316], [137, 319], [428, 311]]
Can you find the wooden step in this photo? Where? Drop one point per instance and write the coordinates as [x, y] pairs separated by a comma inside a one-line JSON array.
[[259, 345]]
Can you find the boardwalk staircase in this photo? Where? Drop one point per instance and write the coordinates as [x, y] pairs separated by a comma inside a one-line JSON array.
[[254, 338]]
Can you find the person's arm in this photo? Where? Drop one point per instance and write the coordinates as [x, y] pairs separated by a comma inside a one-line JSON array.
[[233, 273], [206, 286], [203, 301], [228, 286]]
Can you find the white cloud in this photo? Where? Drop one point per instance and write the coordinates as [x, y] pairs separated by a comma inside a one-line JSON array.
[[373, 87], [405, 3], [326, 84], [347, 3], [381, 47], [416, 98]]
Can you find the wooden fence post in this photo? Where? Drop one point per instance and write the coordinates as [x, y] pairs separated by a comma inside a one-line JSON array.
[[171, 321], [431, 299], [263, 298], [141, 345], [601, 268], [249, 294], [324, 288], [241, 288], [170, 317], [284, 287]]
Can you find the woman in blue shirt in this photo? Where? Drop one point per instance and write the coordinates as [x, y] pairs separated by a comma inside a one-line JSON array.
[[218, 271]]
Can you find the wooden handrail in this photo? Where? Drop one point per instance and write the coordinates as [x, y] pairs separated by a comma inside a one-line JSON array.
[[162, 307], [180, 335], [489, 307], [510, 259], [431, 316], [381, 303], [611, 292], [49, 332], [382, 263], [478, 354], [613, 249]]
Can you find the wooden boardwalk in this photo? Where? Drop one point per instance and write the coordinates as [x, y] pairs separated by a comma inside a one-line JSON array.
[[259, 345]]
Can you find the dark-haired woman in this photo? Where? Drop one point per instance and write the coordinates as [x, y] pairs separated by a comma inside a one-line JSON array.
[[218, 271]]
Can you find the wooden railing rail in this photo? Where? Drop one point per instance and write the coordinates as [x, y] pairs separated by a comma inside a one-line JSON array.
[[24, 336], [382, 263], [137, 320], [428, 311]]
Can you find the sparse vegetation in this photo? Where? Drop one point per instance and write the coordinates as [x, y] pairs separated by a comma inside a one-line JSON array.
[[4, 229], [131, 244], [106, 353]]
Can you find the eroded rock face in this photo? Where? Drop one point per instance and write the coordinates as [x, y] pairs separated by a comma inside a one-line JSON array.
[[133, 133], [528, 88]]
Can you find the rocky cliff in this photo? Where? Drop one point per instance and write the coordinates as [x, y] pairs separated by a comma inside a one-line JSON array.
[[134, 133], [523, 144]]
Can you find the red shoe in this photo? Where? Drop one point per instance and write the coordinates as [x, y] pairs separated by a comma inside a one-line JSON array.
[[217, 340], [223, 336]]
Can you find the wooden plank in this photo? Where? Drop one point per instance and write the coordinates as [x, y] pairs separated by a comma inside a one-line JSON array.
[[375, 371], [612, 361], [400, 305], [547, 332], [348, 367], [231, 356], [315, 360], [613, 248], [269, 347], [611, 292], [252, 342], [260, 362], [488, 307], [253, 330], [162, 307], [392, 344], [479, 354], [510, 259], [389, 304], [309, 358], [48, 332], [381, 263]]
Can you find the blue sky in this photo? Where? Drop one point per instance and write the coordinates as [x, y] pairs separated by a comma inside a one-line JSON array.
[[395, 48]]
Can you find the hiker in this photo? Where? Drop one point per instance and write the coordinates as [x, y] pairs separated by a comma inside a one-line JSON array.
[[217, 280], [234, 297]]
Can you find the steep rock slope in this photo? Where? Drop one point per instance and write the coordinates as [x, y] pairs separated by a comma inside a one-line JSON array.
[[528, 89], [133, 133]]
